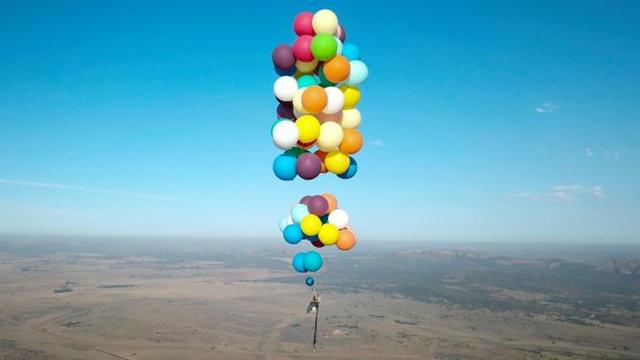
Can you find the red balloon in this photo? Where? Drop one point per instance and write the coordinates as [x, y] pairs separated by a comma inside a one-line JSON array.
[[317, 243], [302, 48], [302, 25]]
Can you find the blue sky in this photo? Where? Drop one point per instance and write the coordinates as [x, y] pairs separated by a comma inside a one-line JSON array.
[[492, 121]]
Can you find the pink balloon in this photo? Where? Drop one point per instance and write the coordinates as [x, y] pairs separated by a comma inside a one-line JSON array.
[[302, 25], [302, 48]]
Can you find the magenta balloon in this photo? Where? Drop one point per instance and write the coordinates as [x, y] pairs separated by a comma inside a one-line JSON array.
[[285, 111], [305, 200], [302, 25], [318, 205], [308, 166], [282, 56], [302, 48]]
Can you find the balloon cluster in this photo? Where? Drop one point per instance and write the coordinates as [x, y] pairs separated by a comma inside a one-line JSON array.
[[318, 90], [317, 219]]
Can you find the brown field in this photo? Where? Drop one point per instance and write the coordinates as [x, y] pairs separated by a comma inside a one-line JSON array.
[[142, 308]]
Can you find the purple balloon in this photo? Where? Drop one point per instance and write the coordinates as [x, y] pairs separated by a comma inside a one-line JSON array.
[[308, 166], [318, 205], [305, 199], [282, 56], [285, 111]]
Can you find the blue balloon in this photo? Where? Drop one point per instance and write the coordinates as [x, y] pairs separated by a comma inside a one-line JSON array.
[[324, 218], [309, 281], [298, 212], [312, 261], [285, 72], [311, 238], [293, 234], [351, 171], [284, 166], [351, 51], [298, 262]]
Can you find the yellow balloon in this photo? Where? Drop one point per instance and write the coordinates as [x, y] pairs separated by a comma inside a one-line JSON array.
[[324, 22], [306, 67], [337, 162], [331, 134], [329, 234], [311, 225], [308, 128], [351, 96], [350, 118]]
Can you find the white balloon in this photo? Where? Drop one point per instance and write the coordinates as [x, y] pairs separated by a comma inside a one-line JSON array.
[[335, 100], [351, 118], [358, 73], [285, 87], [339, 51], [284, 222], [331, 135], [339, 218], [285, 134], [297, 102]]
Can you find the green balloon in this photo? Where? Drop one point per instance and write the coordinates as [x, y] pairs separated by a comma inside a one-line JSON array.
[[324, 46], [306, 81]]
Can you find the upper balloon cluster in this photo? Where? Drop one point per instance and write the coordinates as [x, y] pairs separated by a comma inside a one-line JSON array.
[[318, 90]]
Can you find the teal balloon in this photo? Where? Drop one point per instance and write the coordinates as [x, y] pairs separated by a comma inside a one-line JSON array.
[[294, 151], [351, 170], [312, 261], [324, 82], [284, 167], [306, 81], [298, 262], [351, 51], [293, 233], [358, 73], [283, 223], [298, 212], [309, 281]]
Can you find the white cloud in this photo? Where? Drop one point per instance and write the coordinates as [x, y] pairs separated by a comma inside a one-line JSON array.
[[562, 193], [546, 107], [54, 186], [588, 152], [377, 143]]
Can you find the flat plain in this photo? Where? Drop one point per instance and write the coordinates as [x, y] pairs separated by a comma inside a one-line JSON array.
[[102, 301]]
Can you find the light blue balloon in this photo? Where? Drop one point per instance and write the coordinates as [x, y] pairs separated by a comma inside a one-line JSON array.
[[351, 170], [358, 73], [298, 262], [284, 167], [298, 212], [312, 261], [351, 51], [283, 223], [293, 234]]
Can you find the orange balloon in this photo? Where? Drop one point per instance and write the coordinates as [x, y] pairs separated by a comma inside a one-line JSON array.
[[321, 154], [333, 202], [346, 240], [337, 69], [351, 141], [314, 99]]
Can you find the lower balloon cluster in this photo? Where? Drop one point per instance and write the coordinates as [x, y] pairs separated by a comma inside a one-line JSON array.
[[319, 220]]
